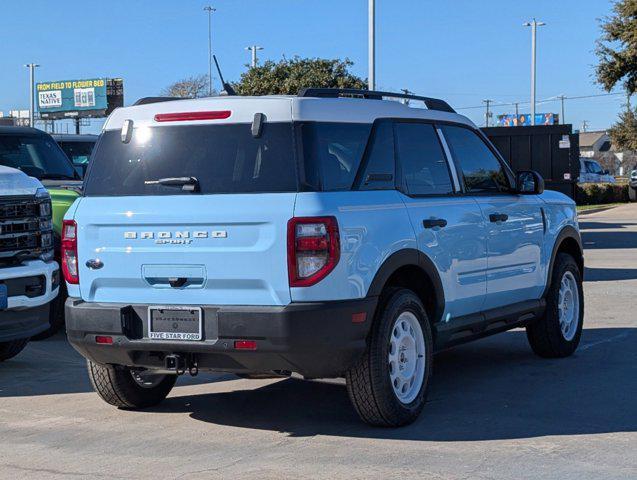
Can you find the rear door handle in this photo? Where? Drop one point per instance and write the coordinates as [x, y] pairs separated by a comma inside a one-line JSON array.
[[434, 222], [498, 217]]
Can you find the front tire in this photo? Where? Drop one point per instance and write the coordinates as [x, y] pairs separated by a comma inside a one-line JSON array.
[[126, 388], [558, 333], [11, 349], [388, 385]]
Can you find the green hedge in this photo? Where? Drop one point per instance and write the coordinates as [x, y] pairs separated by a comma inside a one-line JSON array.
[[600, 193]]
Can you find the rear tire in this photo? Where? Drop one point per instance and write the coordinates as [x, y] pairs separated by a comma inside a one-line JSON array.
[[118, 386], [11, 349], [388, 385], [558, 333], [632, 194]]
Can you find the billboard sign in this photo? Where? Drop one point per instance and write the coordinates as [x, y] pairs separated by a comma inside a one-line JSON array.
[[524, 119], [93, 97]]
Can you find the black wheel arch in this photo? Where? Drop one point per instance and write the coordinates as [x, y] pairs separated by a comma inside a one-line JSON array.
[[568, 241], [409, 266]]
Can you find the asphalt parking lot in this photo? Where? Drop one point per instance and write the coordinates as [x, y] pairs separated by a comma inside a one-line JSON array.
[[494, 411]]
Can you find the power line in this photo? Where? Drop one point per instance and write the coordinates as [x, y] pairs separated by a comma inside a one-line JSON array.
[[547, 100]]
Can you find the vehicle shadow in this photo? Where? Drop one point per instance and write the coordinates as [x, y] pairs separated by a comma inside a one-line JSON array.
[[52, 366], [489, 390], [606, 240], [609, 274], [584, 225]]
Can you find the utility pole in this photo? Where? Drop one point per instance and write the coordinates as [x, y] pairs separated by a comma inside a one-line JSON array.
[[584, 125], [31, 67], [562, 98], [371, 45], [210, 10], [254, 49], [534, 24], [487, 115], [405, 101]]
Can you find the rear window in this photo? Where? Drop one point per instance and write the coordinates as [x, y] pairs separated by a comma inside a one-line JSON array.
[[223, 158], [332, 153], [36, 155]]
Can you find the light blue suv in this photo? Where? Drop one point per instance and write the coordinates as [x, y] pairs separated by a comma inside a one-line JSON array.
[[333, 233]]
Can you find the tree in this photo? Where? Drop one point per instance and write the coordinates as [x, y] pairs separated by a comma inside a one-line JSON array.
[[617, 48], [191, 87], [287, 77], [617, 53], [624, 132]]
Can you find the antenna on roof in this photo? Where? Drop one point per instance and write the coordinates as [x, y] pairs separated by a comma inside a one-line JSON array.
[[227, 88]]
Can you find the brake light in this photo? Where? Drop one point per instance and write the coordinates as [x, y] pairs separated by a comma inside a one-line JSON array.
[[190, 116], [313, 249], [69, 252]]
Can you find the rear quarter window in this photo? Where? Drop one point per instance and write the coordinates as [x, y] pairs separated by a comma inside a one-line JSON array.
[[332, 153]]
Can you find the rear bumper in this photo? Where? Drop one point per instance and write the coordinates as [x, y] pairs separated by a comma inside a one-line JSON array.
[[315, 339]]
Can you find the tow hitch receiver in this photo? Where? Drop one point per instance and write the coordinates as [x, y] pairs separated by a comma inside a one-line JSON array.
[[180, 364]]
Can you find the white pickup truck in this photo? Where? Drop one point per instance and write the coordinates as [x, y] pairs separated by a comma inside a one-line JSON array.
[[29, 277]]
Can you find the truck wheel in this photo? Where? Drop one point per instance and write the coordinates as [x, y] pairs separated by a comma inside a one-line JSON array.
[[388, 385], [632, 194], [11, 349], [558, 333], [126, 388]]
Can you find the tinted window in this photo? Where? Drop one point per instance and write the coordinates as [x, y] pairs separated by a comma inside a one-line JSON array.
[[380, 169], [36, 155], [78, 152], [224, 158], [480, 168], [332, 153], [422, 160]]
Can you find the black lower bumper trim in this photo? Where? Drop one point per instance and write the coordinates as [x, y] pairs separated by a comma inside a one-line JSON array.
[[317, 339], [19, 324]]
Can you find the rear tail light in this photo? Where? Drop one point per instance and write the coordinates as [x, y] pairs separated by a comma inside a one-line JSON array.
[[69, 252], [313, 249]]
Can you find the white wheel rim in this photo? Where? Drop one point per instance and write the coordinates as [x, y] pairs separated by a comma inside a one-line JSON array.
[[146, 379], [568, 306], [406, 357]]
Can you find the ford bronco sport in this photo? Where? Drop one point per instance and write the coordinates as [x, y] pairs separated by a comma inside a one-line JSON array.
[[330, 234]]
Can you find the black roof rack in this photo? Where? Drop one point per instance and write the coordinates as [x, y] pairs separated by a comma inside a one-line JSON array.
[[147, 100], [430, 103]]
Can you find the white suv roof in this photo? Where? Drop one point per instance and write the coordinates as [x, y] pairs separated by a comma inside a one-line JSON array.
[[279, 109]]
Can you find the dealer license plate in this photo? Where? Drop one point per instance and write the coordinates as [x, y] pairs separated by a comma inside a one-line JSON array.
[[174, 323]]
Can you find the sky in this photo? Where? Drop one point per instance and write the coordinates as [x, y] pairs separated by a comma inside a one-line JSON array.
[[463, 51]]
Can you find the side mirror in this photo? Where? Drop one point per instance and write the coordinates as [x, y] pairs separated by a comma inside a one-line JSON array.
[[529, 182]]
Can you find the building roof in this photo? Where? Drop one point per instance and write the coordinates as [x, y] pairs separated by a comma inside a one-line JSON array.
[[589, 139]]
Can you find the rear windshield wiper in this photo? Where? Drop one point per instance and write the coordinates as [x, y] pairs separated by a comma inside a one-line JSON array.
[[187, 184]]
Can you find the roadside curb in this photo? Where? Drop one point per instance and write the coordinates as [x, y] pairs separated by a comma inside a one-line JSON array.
[[596, 210]]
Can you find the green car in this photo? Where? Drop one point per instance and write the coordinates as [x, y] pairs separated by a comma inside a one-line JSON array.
[[38, 155]]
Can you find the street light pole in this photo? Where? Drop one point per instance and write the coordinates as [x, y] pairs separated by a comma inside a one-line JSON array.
[[534, 24], [31, 67], [371, 45], [210, 10], [253, 49]]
